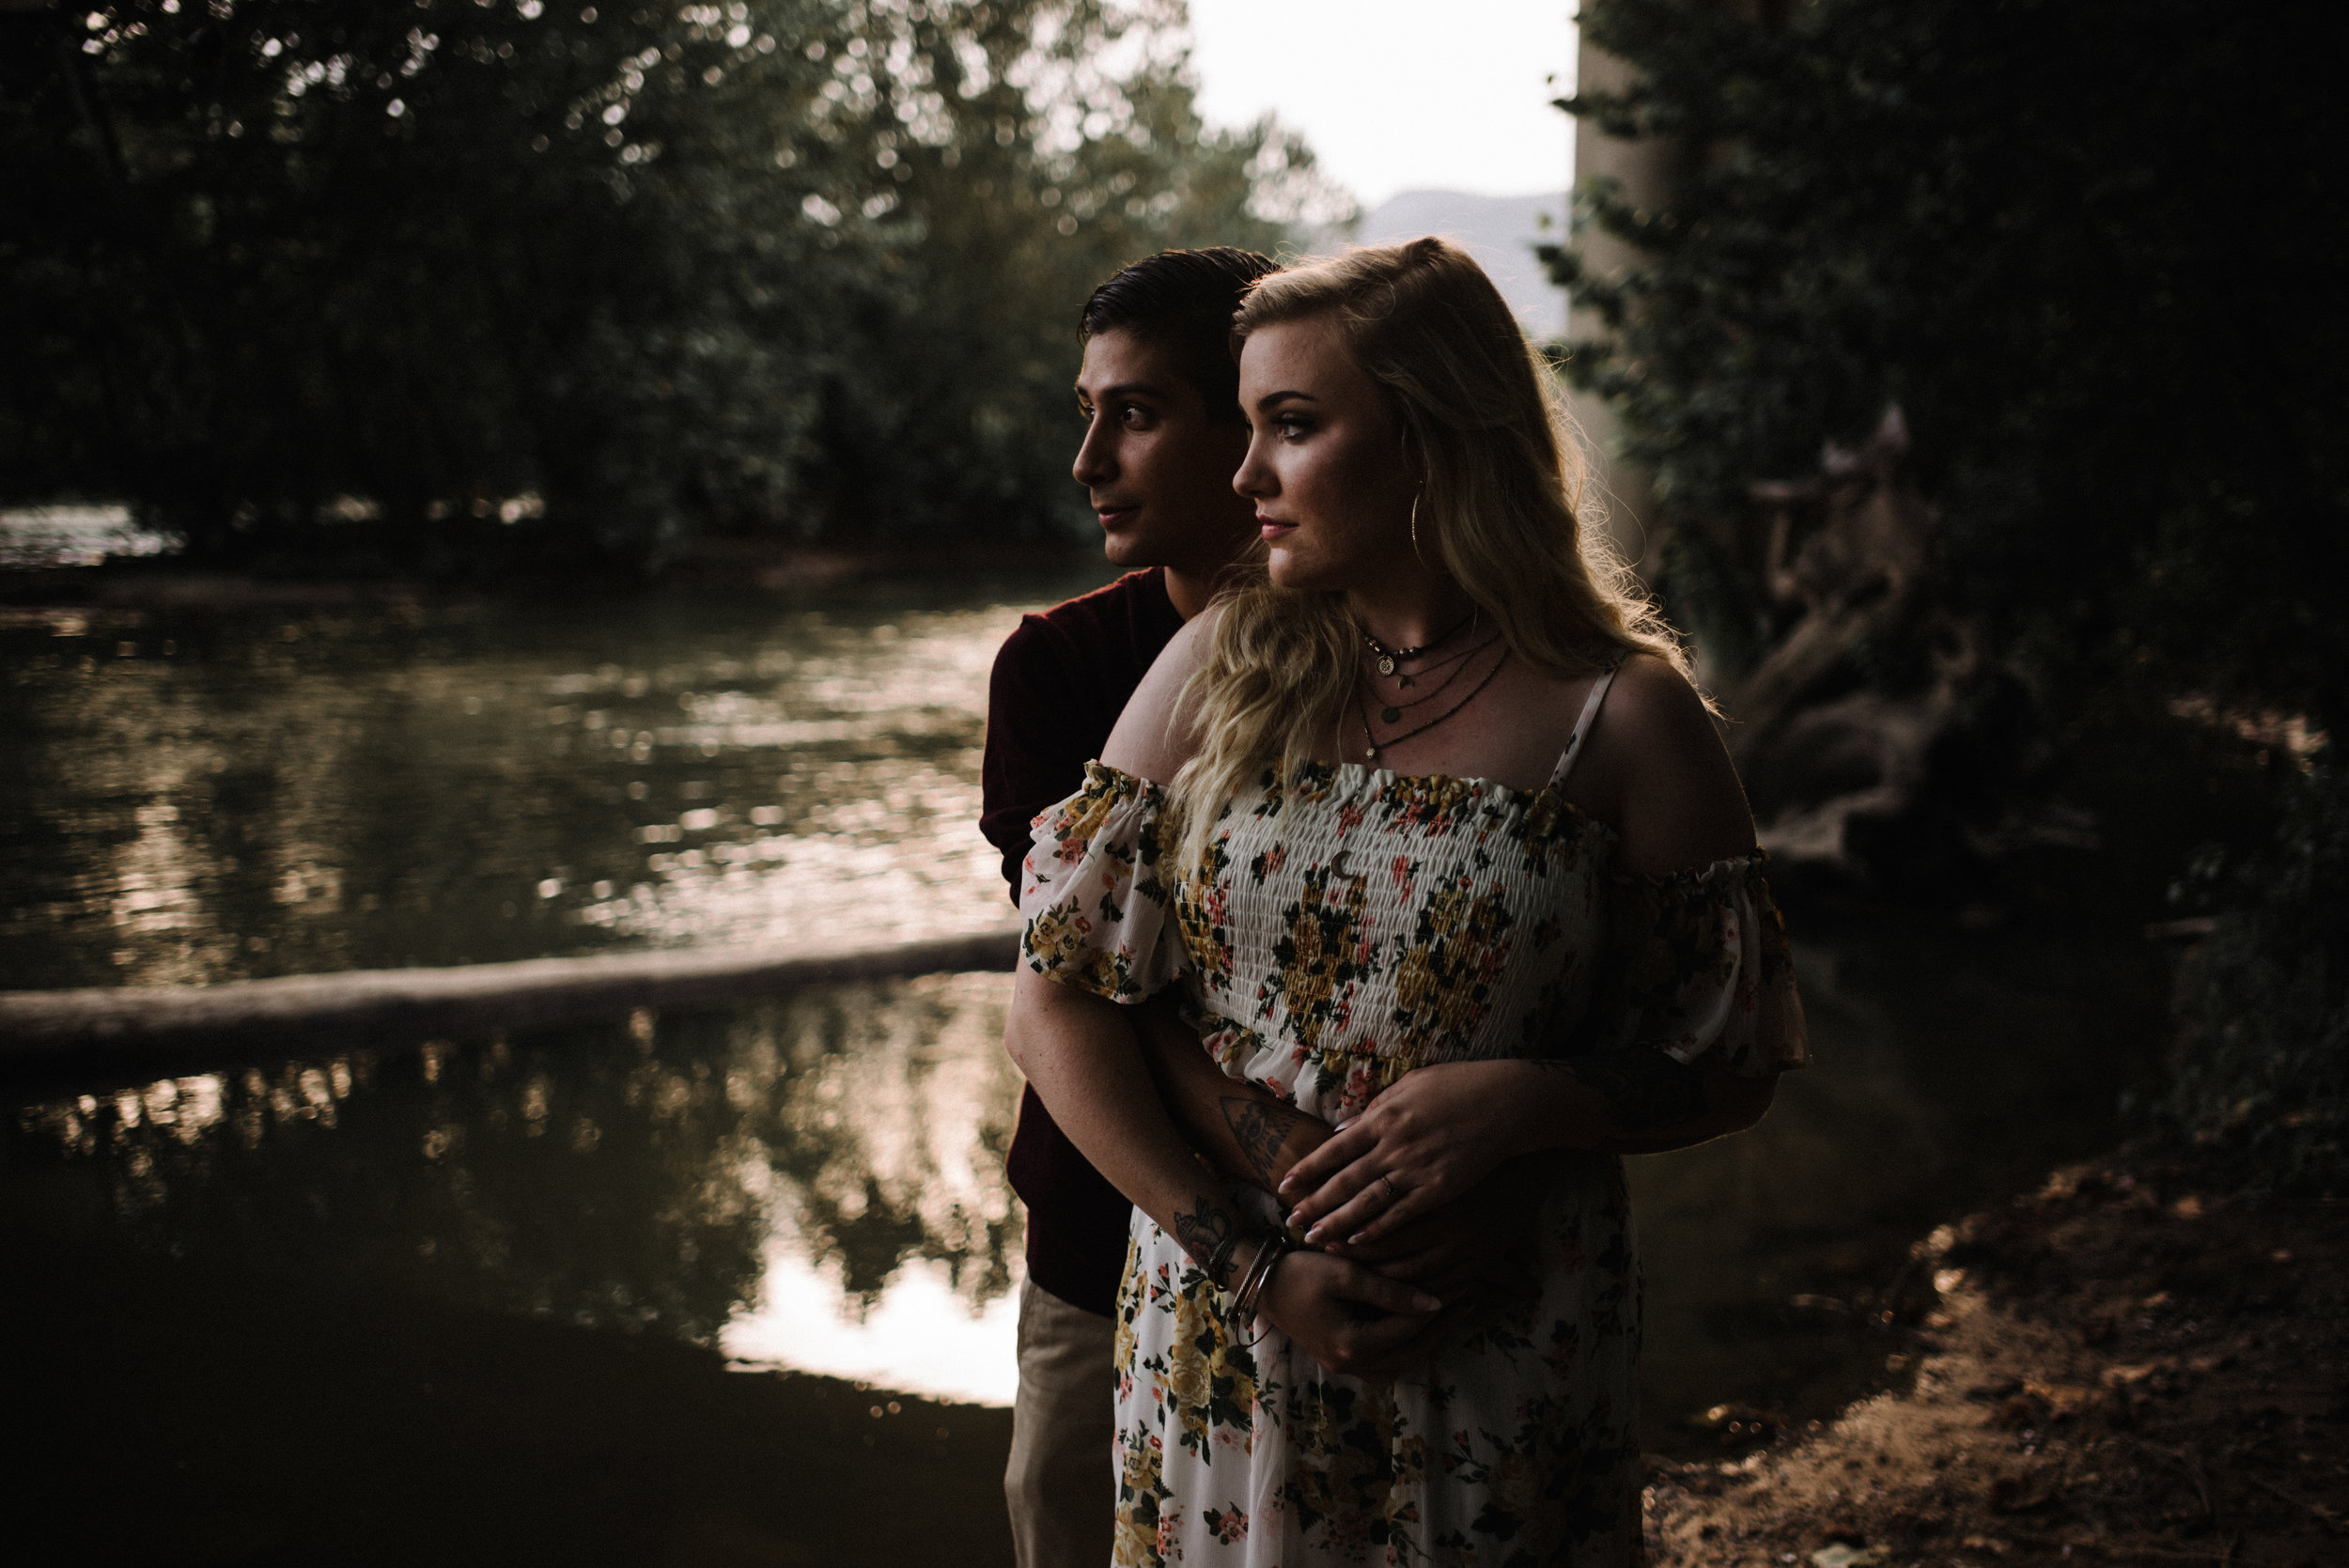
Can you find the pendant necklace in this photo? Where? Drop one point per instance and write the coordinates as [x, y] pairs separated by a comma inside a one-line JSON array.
[[1375, 745], [1392, 712], [1389, 658]]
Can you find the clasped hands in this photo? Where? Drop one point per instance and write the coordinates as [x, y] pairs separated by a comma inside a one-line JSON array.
[[1404, 1216]]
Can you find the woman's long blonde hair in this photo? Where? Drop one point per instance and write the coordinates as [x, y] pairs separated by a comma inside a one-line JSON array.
[[1499, 510]]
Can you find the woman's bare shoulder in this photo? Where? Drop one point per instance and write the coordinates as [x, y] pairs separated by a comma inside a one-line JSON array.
[[1153, 738], [1678, 803], [1653, 705]]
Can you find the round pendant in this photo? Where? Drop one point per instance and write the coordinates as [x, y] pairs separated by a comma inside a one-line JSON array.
[[1390, 715], [1386, 664], [1371, 756]]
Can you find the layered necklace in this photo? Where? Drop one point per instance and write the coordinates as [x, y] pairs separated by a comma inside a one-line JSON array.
[[1388, 661], [1389, 658]]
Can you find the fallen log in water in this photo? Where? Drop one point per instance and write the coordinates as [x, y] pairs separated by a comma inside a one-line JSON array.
[[160, 1026]]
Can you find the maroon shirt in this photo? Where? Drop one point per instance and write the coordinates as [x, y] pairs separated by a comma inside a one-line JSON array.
[[1059, 685]]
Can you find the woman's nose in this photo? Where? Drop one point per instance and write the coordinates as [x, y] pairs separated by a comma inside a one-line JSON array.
[[1254, 477]]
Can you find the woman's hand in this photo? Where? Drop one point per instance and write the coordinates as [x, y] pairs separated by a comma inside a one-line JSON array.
[[1434, 1134], [1452, 1250], [1348, 1318]]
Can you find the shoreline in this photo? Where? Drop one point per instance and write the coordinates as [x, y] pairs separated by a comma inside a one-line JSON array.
[[164, 583], [2122, 1366]]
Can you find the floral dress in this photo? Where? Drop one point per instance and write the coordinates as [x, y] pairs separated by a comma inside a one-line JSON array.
[[1349, 925]]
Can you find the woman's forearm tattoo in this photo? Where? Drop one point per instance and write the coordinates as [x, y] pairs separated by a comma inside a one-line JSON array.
[[1203, 1231], [1262, 1129], [1644, 1088]]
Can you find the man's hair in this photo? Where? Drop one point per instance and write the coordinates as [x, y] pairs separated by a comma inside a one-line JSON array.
[[1183, 302]]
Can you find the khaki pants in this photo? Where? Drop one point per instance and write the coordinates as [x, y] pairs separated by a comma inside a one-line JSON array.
[[1061, 1483]]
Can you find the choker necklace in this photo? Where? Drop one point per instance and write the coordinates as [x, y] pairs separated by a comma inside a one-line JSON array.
[[1375, 745], [1391, 712], [1389, 658]]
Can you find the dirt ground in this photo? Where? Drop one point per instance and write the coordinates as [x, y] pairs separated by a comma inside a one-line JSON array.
[[2119, 1367]]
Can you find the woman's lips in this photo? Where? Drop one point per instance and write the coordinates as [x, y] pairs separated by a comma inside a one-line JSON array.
[[1271, 529]]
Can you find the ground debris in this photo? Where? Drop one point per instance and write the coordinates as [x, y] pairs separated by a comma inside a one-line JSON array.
[[2124, 1367]]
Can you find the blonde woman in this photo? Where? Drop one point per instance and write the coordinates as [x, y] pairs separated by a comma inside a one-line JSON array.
[[1429, 838]]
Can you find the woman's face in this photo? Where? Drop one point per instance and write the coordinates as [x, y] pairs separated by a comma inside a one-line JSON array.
[[1325, 463]]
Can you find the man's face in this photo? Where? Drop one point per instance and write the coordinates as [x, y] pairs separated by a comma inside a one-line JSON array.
[[1158, 467]]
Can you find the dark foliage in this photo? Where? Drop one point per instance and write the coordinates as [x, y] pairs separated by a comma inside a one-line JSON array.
[[2089, 247], [2262, 1068], [453, 280]]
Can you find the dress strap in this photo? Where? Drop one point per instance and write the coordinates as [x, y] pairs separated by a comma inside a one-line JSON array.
[[1582, 726]]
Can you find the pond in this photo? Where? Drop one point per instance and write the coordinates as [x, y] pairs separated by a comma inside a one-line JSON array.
[[608, 1286]]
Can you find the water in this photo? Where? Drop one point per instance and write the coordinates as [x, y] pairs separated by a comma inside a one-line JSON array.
[[48, 536], [810, 1184], [195, 796]]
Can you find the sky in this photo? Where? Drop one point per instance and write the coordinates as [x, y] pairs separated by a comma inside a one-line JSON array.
[[1397, 95]]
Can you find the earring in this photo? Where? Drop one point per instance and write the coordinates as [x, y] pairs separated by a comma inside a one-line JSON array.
[[1415, 524]]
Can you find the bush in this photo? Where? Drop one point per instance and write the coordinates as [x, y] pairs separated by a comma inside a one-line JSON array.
[[2262, 1060]]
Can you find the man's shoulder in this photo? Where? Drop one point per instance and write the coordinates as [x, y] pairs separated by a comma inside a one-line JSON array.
[[1136, 599], [1131, 613]]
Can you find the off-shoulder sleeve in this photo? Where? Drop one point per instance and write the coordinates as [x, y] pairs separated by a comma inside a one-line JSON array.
[[1702, 962], [1100, 914]]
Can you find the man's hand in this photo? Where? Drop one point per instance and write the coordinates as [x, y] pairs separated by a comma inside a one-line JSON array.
[[1348, 1318], [1453, 1250]]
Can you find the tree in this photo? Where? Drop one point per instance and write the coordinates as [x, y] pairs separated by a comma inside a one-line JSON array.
[[456, 277], [2085, 246]]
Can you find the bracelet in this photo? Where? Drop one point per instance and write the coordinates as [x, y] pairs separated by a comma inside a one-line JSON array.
[[1270, 1247], [1220, 1258], [1267, 1259]]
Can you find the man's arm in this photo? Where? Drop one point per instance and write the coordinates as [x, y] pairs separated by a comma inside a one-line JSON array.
[[1079, 1052], [1033, 757], [1247, 1130], [1078, 1055]]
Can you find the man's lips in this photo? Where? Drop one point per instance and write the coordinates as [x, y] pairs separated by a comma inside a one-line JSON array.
[[1112, 515]]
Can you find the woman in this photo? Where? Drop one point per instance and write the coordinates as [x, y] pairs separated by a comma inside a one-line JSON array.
[[1432, 838]]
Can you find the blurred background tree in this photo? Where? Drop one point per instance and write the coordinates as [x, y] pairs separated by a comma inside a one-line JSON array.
[[2089, 249], [471, 283]]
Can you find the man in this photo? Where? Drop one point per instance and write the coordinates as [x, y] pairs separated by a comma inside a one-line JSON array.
[[1160, 396]]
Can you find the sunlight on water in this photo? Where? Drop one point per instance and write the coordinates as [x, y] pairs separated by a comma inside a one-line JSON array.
[[922, 1337], [37, 537], [261, 792], [813, 1183]]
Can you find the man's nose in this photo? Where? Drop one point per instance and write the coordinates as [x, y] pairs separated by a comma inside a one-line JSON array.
[[1097, 463]]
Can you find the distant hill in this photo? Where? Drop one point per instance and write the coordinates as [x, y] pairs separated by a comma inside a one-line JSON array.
[[1500, 231]]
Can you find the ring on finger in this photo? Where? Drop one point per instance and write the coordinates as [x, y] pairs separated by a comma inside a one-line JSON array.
[[1395, 1194]]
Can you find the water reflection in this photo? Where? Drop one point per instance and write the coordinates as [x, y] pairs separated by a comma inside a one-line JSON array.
[[197, 796], [816, 1183], [50, 536], [813, 1183]]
